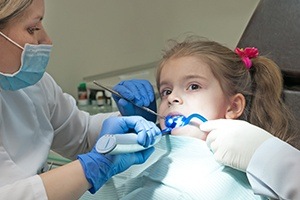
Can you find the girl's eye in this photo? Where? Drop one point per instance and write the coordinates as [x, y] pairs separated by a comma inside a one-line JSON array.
[[194, 87], [165, 93], [32, 29]]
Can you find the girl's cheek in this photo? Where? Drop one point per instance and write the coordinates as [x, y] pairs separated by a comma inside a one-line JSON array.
[[162, 124], [190, 131]]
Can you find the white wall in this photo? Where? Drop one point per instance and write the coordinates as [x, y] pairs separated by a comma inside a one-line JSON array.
[[97, 36]]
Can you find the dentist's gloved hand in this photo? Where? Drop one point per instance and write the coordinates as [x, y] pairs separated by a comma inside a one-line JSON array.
[[99, 168], [140, 92], [234, 142], [146, 130]]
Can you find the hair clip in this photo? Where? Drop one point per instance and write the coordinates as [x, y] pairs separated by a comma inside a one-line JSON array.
[[246, 54]]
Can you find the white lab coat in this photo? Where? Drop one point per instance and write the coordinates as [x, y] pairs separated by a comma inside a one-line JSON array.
[[33, 121], [274, 169]]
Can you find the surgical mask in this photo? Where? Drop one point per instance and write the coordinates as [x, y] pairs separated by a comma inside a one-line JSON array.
[[34, 60]]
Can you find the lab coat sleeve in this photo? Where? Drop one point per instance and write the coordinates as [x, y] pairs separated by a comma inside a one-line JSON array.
[[273, 170], [75, 131], [27, 189]]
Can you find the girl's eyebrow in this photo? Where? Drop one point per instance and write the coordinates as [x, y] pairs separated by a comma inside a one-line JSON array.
[[195, 76], [163, 83], [192, 76]]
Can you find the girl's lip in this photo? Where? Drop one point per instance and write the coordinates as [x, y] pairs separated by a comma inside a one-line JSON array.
[[175, 114]]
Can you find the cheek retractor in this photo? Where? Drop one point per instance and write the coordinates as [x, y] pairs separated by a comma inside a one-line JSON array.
[[179, 120]]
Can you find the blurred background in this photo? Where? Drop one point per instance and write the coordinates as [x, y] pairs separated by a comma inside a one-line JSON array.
[[110, 40]]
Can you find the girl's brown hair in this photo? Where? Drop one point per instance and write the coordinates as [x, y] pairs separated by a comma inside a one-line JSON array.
[[261, 85]]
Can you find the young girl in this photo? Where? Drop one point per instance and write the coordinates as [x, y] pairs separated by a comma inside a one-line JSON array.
[[205, 77]]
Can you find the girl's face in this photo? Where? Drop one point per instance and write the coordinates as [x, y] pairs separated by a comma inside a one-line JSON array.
[[188, 86], [27, 28]]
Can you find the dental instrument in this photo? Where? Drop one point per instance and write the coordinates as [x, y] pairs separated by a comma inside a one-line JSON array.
[[121, 143], [119, 95], [180, 120], [127, 143]]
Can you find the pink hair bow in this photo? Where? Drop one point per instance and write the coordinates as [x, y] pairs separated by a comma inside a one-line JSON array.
[[246, 54]]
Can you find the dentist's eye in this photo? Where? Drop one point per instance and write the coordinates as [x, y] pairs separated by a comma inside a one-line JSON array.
[[31, 30]]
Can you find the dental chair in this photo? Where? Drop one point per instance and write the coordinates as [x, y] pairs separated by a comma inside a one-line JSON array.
[[274, 29]]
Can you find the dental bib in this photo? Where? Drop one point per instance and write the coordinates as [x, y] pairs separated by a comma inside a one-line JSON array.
[[180, 168]]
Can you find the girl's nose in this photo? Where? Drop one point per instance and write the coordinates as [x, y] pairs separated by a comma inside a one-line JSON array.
[[174, 99]]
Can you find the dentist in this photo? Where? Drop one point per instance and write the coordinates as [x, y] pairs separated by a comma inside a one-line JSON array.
[[37, 116]]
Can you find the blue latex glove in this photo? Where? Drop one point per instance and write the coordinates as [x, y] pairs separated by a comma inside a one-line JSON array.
[[98, 168], [140, 92]]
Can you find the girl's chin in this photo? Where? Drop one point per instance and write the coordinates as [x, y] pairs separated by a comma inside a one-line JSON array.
[[189, 131]]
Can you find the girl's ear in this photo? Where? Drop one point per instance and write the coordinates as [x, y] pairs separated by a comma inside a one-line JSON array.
[[236, 107]]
